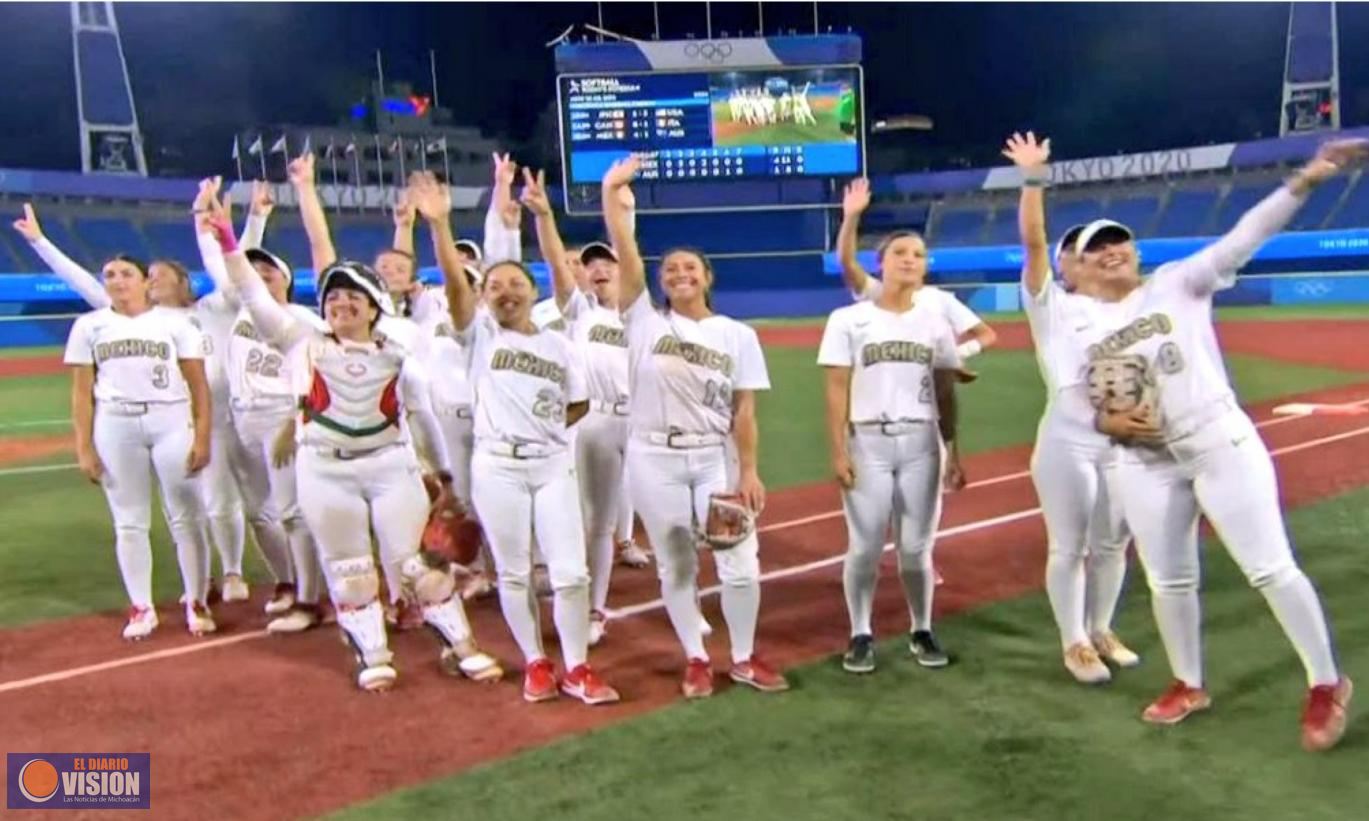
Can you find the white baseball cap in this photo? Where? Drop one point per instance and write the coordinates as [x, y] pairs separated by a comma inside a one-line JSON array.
[[1067, 240], [1102, 229]]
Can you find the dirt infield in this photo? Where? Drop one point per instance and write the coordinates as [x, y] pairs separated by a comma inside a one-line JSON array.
[[17, 450], [246, 725], [31, 366]]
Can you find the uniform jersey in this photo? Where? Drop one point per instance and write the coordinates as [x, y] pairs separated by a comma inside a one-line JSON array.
[[955, 312], [1061, 323], [547, 316], [136, 358], [1166, 324], [892, 357], [258, 372], [522, 383], [599, 336], [684, 372], [355, 393]]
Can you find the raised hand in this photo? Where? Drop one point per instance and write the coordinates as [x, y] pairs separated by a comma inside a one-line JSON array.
[[430, 198], [622, 172], [404, 210], [1335, 156], [1026, 153], [505, 170], [534, 196], [301, 171], [263, 202], [856, 198], [28, 226]]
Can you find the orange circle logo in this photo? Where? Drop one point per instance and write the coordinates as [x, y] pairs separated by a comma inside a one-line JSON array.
[[38, 780]]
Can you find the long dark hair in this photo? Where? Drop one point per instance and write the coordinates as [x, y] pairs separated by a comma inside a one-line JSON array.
[[181, 274], [131, 260], [884, 244], [703, 260]]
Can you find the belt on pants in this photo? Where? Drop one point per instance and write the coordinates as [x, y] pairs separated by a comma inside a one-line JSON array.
[[618, 408], [459, 411], [132, 408], [682, 440], [348, 454], [890, 427], [278, 403], [519, 450]]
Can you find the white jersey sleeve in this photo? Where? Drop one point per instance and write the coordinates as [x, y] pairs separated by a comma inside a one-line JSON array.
[[577, 384], [78, 279], [1214, 267], [502, 244], [835, 349], [945, 352], [79, 350], [874, 287], [189, 340], [957, 313], [751, 373]]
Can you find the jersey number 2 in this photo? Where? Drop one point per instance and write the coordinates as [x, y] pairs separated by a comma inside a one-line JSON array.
[[548, 406], [268, 365], [718, 395]]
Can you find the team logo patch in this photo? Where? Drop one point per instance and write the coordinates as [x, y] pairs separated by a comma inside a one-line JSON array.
[[354, 368], [78, 781]]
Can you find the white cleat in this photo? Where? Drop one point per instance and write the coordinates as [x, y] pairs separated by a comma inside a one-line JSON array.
[[299, 619], [1085, 665], [377, 678], [1112, 649], [235, 589], [199, 621], [281, 600], [633, 555], [598, 627], [141, 622]]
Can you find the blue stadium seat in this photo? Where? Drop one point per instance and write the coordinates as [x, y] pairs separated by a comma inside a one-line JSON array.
[[109, 236], [1060, 215], [959, 227], [1136, 212], [1354, 212], [1241, 199], [1002, 228], [173, 240], [10, 262], [1187, 214], [289, 242], [1318, 206], [363, 241]]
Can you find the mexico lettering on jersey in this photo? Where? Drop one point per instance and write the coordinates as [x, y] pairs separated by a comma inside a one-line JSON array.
[[136, 359], [351, 393], [684, 372], [892, 357], [522, 383]]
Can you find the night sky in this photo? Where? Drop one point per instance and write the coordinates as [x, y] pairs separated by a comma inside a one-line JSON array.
[[1100, 78]]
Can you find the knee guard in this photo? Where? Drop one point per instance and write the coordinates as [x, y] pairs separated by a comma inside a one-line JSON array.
[[353, 583]]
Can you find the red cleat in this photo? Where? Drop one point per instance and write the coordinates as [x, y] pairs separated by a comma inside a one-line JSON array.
[[583, 683], [698, 679], [1176, 704], [1325, 715], [756, 673], [539, 681]]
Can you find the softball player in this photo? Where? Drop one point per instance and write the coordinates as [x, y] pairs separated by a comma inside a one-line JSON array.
[[529, 389], [140, 405], [693, 377], [353, 462], [596, 331], [1087, 536], [1160, 387], [891, 365], [169, 287]]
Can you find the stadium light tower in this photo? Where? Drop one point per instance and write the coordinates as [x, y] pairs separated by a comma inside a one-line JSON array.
[[111, 141], [1311, 74]]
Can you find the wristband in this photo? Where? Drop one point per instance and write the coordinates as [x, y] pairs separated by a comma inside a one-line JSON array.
[[1034, 182], [224, 235]]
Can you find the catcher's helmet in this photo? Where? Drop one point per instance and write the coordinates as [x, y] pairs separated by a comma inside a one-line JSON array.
[[356, 276]]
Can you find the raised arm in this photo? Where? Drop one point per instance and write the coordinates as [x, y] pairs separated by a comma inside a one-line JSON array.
[[84, 283], [208, 209], [277, 326], [618, 221], [1031, 157], [260, 211], [549, 242], [311, 212], [433, 201], [1224, 257], [404, 224], [853, 205], [503, 234]]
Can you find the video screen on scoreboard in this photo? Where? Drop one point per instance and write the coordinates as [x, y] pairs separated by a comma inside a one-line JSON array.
[[710, 126]]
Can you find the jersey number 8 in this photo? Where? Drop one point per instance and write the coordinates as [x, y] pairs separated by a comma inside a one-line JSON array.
[[1169, 358], [266, 364]]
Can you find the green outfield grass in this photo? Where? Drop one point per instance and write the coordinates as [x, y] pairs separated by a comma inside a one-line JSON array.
[[1243, 312], [1001, 734]]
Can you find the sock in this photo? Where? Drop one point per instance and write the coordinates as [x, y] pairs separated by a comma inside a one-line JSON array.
[[134, 551], [1178, 615], [304, 557], [1106, 571], [1298, 609], [519, 603], [228, 536], [600, 550], [859, 575], [1065, 587], [919, 584], [275, 550], [741, 609], [570, 611]]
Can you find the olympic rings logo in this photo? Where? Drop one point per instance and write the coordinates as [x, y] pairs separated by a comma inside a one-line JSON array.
[[708, 52], [1312, 288]]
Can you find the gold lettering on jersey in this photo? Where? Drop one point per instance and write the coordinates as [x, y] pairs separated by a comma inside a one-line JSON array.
[[694, 354], [245, 329], [445, 329], [608, 335], [529, 364], [126, 348], [876, 353], [1138, 331]]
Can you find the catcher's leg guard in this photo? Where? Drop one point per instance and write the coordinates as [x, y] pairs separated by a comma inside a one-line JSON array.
[[435, 590], [355, 588]]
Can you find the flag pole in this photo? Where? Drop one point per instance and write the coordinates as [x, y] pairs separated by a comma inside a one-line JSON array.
[[655, 20], [380, 158], [332, 161], [760, 18], [380, 82], [708, 18], [261, 155], [358, 182], [446, 168], [432, 66], [403, 175], [237, 156]]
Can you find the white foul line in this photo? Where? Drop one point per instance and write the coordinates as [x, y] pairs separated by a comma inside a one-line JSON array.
[[630, 610]]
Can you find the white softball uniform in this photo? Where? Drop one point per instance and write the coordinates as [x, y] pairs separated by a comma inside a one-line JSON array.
[[143, 424], [525, 485], [894, 445], [1071, 464], [1214, 461], [682, 377], [601, 438], [955, 312], [356, 472]]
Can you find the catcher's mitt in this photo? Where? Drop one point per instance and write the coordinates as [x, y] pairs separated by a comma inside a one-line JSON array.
[[728, 523], [452, 535], [1124, 384]]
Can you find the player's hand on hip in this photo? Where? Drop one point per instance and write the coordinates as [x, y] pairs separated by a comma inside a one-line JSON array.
[[844, 471], [90, 465], [198, 458], [752, 491]]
